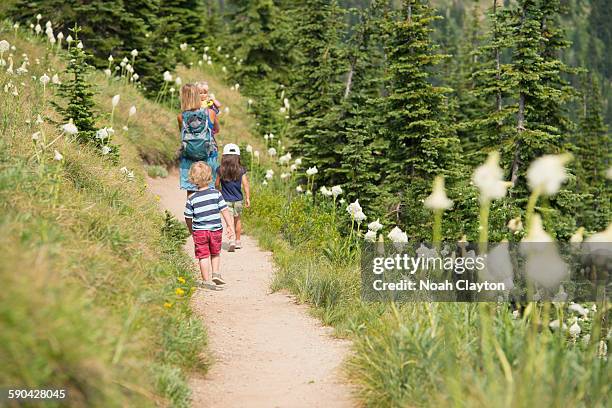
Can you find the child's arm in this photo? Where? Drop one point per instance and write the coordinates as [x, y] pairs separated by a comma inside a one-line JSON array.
[[218, 182], [188, 214], [189, 222], [247, 191], [229, 221]]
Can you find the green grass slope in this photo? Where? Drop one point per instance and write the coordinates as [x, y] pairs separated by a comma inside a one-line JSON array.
[[95, 289]]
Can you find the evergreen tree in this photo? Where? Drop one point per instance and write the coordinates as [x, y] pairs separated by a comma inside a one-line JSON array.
[[259, 35], [359, 112], [317, 86], [78, 95], [181, 21], [421, 144]]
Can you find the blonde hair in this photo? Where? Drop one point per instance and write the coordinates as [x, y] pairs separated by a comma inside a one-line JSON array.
[[190, 97], [200, 174], [202, 86]]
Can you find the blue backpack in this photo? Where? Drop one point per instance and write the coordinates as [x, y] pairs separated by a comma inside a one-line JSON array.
[[196, 135]]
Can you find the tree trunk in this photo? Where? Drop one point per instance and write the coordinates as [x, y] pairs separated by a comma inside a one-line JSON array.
[[349, 81]]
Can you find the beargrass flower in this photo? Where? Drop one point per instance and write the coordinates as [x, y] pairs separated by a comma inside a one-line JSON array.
[[115, 100], [80, 45], [547, 173], [489, 179], [44, 79], [39, 120], [69, 128], [336, 191], [178, 81], [4, 46], [575, 307], [134, 53], [325, 191], [36, 136], [167, 76], [299, 189], [55, 79], [353, 208], [132, 111], [57, 156], [298, 161], [249, 148], [272, 151], [375, 225], [284, 159], [106, 150], [293, 167], [312, 171], [515, 224], [397, 235], [536, 232], [183, 47], [438, 200], [285, 176], [556, 324], [226, 110], [370, 236], [574, 329], [37, 28], [256, 153], [359, 217], [269, 174], [102, 134]]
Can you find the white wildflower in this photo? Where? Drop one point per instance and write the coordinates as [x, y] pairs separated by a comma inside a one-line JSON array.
[[269, 174], [438, 199], [70, 128], [312, 171], [4, 46], [299, 189], [57, 156], [325, 191], [575, 307], [574, 329], [515, 224], [134, 53], [547, 173], [298, 161], [293, 167], [183, 47], [44, 79], [167, 76], [80, 45], [375, 225], [370, 236], [102, 134], [336, 191], [107, 72], [36, 136], [178, 81], [115, 100], [132, 111], [272, 151], [556, 324], [285, 176], [397, 235], [249, 148], [55, 79], [359, 217], [489, 179], [106, 150], [353, 208]]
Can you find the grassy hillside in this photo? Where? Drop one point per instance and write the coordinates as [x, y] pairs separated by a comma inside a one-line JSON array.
[[95, 295]]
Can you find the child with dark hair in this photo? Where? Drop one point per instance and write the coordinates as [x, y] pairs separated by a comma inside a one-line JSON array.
[[232, 181]]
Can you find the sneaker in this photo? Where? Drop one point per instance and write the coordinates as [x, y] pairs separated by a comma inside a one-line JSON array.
[[232, 246], [238, 245], [208, 285], [217, 279]]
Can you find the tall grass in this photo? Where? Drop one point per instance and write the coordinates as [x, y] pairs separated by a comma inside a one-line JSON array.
[[90, 300], [424, 354]]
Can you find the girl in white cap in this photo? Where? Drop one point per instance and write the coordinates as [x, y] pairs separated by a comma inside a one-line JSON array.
[[234, 185]]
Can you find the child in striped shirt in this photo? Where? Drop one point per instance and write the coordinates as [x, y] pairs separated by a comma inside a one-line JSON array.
[[203, 212]]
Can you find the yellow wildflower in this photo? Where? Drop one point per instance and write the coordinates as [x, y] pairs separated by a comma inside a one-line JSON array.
[[179, 291], [181, 279], [167, 305]]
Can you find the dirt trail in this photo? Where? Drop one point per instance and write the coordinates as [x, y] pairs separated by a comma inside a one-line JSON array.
[[267, 351]]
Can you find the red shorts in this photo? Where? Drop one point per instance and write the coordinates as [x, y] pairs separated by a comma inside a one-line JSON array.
[[207, 243]]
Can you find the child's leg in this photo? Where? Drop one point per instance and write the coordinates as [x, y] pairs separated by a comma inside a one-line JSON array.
[[215, 261], [204, 269], [237, 227]]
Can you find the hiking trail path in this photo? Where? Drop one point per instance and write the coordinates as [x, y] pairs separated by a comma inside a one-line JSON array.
[[267, 351]]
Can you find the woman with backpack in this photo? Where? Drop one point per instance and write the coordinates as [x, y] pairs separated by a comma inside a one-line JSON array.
[[197, 140]]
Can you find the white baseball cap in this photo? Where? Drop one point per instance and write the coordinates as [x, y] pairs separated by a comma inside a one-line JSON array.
[[231, 148]]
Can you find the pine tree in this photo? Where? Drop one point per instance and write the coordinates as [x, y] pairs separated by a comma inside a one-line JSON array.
[[259, 36], [359, 113], [317, 87], [421, 144], [181, 21], [78, 94]]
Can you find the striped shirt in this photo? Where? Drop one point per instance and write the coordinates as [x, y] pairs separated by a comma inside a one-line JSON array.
[[205, 207]]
